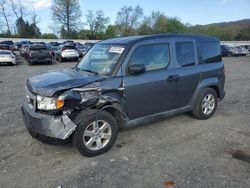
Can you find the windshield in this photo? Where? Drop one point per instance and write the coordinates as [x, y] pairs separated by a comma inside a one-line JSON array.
[[101, 59]]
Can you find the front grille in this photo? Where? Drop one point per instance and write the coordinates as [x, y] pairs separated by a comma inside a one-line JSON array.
[[30, 98]]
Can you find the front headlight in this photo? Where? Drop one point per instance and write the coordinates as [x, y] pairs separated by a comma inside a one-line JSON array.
[[48, 103]]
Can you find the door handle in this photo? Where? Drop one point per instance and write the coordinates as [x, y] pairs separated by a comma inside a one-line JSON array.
[[173, 78]]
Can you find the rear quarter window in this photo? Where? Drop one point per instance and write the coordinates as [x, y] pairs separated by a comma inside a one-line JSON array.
[[185, 53], [210, 52]]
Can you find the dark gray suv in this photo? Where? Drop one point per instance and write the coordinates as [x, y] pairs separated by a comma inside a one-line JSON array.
[[125, 81]]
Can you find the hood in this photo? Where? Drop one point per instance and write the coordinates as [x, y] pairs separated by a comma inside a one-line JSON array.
[[48, 83]]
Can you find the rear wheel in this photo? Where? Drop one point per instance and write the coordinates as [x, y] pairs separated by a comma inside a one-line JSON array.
[[93, 137], [230, 54], [206, 104]]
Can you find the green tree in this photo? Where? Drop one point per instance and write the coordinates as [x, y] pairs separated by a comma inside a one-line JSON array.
[[174, 25], [127, 19], [110, 32], [97, 23], [244, 34], [49, 36]]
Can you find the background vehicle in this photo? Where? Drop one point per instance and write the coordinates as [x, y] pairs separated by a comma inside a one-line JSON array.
[[82, 49], [242, 51], [10, 43], [124, 81], [38, 53], [230, 51], [7, 57], [66, 52]]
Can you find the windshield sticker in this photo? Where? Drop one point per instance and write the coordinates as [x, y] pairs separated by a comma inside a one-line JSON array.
[[115, 49]]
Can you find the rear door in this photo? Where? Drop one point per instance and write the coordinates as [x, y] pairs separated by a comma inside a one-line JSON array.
[[150, 92], [186, 67]]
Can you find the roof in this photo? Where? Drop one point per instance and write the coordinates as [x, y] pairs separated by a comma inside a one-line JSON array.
[[139, 38]]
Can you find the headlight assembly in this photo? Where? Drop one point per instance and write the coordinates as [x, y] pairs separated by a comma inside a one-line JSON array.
[[48, 103]]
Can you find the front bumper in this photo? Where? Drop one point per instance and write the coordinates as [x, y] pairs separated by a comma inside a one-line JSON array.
[[60, 127]]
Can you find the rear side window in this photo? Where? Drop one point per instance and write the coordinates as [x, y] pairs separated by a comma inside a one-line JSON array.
[[185, 53], [156, 56], [211, 52]]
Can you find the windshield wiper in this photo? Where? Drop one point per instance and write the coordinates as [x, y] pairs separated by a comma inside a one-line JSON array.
[[91, 71]]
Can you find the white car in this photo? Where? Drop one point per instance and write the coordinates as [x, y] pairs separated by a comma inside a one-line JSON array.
[[66, 52], [7, 57]]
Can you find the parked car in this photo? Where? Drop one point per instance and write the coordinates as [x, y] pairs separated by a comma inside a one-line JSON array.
[[66, 52], [7, 57], [5, 47], [10, 43], [82, 49], [131, 80], [242, 51], [230, 51], [52, 46], [38, 53], [23, 49], [17, 46]]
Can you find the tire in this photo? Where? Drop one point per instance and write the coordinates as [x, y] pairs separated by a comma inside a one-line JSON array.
[[50, 62], [230, 54], [85, 120], [30, 63], [199, 111]]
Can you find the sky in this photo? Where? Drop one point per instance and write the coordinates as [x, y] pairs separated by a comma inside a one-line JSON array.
[[188, 11]]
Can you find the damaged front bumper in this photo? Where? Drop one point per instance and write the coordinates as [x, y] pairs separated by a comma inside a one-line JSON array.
[[60, 127]]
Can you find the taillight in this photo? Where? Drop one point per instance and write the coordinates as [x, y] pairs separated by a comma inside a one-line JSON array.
[[62, 49], [13, 57]]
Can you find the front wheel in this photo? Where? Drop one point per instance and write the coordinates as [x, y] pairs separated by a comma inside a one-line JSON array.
[[206, 104], [93, 137]]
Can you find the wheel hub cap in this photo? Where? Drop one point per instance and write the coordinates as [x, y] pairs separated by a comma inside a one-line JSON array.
[[97, 135], [208, 104]]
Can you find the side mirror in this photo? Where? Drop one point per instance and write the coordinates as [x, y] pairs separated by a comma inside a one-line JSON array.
[[136, 68]]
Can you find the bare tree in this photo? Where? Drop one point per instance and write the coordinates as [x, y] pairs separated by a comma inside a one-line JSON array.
[[17, 8], [97, 23], [66, 14], [34, 17], [127, 19], [4, 13]]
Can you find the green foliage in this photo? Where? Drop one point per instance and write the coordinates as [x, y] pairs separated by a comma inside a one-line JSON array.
[[49, 36], [27, 30]]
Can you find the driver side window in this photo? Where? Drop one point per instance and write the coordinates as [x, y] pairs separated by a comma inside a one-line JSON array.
[[153, 56]]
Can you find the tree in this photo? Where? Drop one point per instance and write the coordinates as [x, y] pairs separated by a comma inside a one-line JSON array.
[[4, 14], [128, 18], [244, 34], [97, 23], [66, 14], [110, 32], [49, 36]]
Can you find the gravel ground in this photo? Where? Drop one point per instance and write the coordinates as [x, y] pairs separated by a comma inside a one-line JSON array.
[[179, 151]]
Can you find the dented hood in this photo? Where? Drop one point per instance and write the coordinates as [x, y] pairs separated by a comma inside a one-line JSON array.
[[48, 83]]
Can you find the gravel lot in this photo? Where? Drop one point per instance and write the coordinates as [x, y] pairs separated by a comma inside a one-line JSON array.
[[189, 152]]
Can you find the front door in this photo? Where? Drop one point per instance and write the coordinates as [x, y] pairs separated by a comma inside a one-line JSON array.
[[153, 91]]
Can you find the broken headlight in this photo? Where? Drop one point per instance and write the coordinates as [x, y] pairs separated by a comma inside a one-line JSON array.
[[49, 103]]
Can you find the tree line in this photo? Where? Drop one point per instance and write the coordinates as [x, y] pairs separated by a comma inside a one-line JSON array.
[[130, 20]]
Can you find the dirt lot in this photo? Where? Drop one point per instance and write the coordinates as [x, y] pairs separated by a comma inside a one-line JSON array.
[[189, 152]]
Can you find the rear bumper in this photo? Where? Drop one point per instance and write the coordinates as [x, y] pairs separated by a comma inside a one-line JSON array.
[[60, 127], [41, 60]]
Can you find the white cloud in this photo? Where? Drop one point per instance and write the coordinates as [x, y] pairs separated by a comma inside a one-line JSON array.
[[41, 4], [37, 4]]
